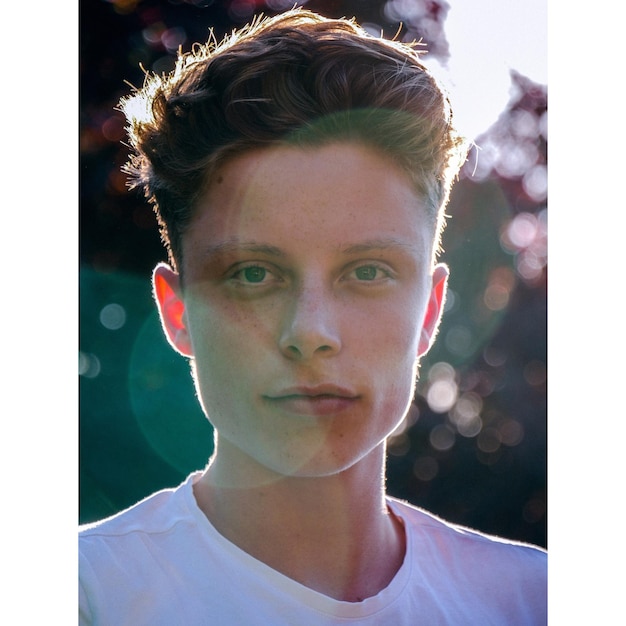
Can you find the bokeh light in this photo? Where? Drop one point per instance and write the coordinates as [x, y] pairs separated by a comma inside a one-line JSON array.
[[442, 390], [425, 468], [113, 316], [442, 437], [88, 365]]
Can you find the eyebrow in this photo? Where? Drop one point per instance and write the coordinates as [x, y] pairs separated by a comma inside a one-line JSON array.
[[234, 245], [370, 245], [377, 244]]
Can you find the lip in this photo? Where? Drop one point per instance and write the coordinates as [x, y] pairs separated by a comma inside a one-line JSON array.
[[320, 400]]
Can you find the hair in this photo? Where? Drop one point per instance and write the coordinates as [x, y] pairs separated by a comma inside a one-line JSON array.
[[297, 79]]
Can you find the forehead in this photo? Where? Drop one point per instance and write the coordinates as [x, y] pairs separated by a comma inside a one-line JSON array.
[[334, 195]]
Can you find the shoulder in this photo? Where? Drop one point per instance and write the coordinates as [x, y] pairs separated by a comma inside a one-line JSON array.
[[123, 557], [148, 515], [465, 547], [490, 579], [425, 520], [156, 520]]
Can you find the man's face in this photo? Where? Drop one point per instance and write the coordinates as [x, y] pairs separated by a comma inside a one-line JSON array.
[[308, 297]]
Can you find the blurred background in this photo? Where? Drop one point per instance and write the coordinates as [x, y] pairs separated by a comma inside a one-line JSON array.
[[473, 447]]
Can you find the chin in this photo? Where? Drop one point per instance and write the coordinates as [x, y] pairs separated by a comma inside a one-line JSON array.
[[332, 463]]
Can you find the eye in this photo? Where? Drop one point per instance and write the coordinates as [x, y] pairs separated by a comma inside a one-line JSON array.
[[254, 274], [370, 273], [366, 272]]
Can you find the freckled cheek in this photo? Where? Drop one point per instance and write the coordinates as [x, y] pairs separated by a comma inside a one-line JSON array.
[[226, 365], [226, 340], [212, 315], [392, 332], [389, 366], [397, 364]]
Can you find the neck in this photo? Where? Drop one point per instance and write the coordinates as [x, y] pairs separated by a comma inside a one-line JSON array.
[[333, 533]]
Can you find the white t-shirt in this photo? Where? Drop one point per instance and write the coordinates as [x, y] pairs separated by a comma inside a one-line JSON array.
[[162, 563]]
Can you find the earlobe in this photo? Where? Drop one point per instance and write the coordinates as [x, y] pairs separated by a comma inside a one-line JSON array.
[[434, 309], [171, 306]]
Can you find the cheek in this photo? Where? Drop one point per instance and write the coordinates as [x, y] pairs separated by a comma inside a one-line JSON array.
[[392, 360], [235, 319], [392, 333], [226, 328], [389, 351], [229, 343]]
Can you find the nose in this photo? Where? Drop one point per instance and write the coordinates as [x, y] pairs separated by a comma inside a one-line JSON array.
[[310, 327]]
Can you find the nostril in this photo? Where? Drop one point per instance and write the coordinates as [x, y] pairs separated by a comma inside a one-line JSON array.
[[293, 350], [324, 348]]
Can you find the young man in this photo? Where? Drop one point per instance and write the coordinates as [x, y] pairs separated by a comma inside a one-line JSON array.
[[299, 172]]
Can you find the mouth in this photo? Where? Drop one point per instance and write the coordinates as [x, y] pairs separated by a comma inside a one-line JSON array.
[[316, 401]]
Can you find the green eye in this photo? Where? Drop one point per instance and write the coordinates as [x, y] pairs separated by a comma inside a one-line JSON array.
[[367, 272], [254, 274]]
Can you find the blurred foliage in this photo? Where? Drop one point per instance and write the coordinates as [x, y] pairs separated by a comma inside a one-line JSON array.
[[473, 448]]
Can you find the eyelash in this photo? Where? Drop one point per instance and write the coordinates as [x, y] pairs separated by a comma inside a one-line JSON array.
[[237, 276], [378, 268], [238, 273]]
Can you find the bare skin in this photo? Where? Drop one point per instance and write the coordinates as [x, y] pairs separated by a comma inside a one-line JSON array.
[[326, 539], [309, 297]]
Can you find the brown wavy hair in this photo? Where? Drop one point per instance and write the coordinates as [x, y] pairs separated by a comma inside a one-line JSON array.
[[294, 79]]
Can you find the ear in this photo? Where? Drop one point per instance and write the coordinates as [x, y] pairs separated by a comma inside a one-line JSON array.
[[434, 309], [168, 296]]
